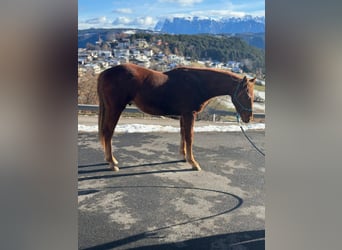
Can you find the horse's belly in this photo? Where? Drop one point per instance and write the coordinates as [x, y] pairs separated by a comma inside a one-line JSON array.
[[167, 105], [156, 109]]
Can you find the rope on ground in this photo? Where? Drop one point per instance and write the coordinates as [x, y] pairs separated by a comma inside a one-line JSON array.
[[244, 133]]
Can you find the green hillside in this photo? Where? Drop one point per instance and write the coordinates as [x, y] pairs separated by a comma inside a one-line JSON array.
[[216, 48]]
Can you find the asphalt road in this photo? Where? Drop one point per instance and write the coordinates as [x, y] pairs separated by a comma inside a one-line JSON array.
[[156, 201]]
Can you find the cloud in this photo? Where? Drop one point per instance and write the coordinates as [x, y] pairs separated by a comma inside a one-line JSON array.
[[145, 21], [123, 11], [182, 2], [142, 22], [97, 20], [122, 21], [138, 22]]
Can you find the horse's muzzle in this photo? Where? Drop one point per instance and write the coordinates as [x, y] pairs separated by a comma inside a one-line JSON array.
[[246, 118]]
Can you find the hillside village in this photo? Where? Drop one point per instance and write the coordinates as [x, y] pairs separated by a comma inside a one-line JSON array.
[[106, 54]]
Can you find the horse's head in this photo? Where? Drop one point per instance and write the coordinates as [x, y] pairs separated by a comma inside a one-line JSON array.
[[243, 98]]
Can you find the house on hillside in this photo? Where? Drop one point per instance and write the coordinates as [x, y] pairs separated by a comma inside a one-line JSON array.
[[81, 60], [124, 43], [84, 56], [234, 66], [141, 62], [103, 64], [121, 53], [135, 52], [148, 52], [105, 54], [140, 43], [159, 57], [95, 68], [216, 65], [174, 59], [114, 62]]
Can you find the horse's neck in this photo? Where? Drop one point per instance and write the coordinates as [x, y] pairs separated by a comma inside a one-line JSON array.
[[221, 86]]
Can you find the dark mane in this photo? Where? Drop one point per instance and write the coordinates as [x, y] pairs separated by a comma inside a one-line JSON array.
[[226, 72]]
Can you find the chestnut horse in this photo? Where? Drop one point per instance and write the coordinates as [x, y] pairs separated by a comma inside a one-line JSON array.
[[180, 92]]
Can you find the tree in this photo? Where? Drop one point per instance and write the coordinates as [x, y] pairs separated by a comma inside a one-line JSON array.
[[90, 46], [87, 92]]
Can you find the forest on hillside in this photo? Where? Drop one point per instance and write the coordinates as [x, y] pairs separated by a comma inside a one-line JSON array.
[[216, 48]]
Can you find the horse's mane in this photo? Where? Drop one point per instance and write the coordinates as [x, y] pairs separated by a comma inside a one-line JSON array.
[[226, 72]]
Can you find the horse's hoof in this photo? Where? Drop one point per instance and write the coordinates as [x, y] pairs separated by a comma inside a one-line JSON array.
[[197, 168], [113, 167], [112, 161]]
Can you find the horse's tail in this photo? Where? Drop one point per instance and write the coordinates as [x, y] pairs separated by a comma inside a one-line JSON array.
[[101, 118]]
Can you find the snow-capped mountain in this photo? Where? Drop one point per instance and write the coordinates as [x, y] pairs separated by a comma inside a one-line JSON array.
[[196, 25]]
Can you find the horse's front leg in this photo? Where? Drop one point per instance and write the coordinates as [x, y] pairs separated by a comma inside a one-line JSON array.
[[182, 148], [188, 123]]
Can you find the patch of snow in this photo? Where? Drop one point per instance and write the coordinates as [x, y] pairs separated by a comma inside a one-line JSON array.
[[144, 128]]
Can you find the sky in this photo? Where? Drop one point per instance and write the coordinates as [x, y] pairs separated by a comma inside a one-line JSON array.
[[144, 14]]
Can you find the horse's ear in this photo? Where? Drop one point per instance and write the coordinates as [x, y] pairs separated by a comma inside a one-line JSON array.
[[244, 80], [252, 81]]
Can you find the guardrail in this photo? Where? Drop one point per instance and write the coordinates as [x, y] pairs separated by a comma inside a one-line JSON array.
[[95, 108], [133, 109]]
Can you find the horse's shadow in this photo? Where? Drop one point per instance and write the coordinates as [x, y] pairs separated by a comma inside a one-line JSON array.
[[107, 169]]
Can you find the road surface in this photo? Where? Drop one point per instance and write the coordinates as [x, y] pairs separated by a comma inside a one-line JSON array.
[[156, 201]]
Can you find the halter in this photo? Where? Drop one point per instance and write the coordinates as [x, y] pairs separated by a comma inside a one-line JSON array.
[[237, 101]]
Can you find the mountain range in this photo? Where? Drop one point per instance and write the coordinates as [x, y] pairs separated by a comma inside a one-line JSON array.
[[248, 28], [200, 25]]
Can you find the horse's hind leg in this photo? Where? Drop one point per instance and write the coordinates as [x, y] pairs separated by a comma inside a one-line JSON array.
[[188, 123], [112, 118]]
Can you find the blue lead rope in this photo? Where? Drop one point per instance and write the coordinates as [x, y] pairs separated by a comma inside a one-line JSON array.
[[238, 118], [243, 131]]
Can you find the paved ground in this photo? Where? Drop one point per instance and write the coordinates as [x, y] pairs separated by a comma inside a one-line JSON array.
[[157, 202], [160, 120]]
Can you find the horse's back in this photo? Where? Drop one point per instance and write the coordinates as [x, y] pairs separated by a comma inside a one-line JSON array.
[[131, 72], [169, 93], [125, 72]]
